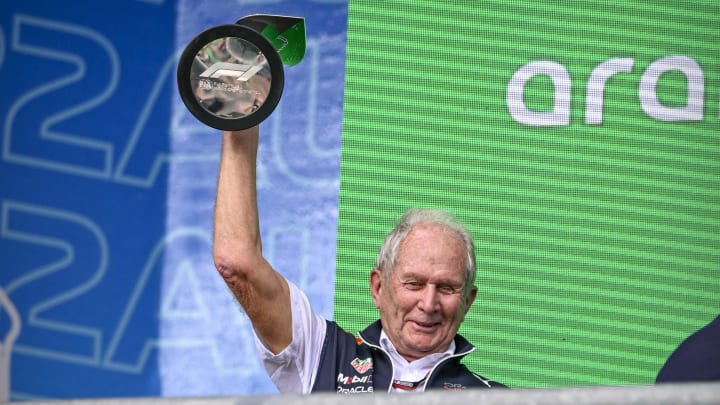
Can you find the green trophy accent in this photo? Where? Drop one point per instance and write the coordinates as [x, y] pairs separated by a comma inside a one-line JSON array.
[[290, 44]]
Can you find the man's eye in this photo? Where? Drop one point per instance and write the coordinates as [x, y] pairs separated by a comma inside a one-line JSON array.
[[447, 289], [412, 285]]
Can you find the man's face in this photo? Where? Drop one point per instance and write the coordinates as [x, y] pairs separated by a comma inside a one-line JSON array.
[[422, 303]]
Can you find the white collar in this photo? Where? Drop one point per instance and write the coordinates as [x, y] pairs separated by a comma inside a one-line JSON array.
[[415, 370]]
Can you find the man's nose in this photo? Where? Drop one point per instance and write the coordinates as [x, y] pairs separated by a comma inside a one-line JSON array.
[[429, 301]]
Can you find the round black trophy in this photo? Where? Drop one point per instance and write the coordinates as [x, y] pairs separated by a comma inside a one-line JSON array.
[[231, 77]]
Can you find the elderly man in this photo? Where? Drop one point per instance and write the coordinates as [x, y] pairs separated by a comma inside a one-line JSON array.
[[422, 286]]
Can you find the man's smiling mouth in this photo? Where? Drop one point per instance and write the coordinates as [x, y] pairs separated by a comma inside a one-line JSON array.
[[426, 326]]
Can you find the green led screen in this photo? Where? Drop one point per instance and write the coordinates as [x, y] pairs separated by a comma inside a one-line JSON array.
[[579, 141]]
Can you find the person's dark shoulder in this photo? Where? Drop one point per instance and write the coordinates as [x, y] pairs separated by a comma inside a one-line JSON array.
[[697, 358]]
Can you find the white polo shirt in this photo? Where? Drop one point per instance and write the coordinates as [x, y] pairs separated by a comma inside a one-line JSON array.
[[294, 369]]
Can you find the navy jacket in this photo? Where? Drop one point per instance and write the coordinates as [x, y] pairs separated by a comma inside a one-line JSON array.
[[696, 359], [351, 365]]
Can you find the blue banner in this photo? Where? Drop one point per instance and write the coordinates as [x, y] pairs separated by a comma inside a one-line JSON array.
[[107, 284]]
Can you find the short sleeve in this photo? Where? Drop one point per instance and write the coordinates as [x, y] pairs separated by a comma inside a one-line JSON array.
[[293, 370]]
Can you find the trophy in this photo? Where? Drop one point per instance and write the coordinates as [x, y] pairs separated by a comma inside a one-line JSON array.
[[231, 77]]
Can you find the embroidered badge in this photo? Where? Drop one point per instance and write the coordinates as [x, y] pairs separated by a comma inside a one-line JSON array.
[[362, 366], [453, 387]]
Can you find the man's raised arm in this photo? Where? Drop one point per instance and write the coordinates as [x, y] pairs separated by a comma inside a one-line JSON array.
[[237, 249]]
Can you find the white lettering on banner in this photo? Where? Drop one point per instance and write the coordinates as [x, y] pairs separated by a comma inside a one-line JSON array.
[[32, 140], [81, 264], [595, 96], [595, 92], [6, 343], [124, 355], [560, 114], [39, 37], [693, 111]]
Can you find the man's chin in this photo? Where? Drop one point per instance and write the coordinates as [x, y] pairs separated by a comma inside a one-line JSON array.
[[423, 347]]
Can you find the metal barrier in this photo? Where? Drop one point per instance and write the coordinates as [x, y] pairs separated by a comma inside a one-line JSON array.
[[670, 394]]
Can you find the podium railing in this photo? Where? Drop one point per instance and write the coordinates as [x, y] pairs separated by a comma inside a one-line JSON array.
[[670, 394]]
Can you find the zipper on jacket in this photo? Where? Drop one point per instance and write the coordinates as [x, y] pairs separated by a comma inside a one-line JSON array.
[[387, 356]]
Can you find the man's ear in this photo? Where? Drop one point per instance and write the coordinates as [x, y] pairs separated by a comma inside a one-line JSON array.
[[470, 298], [376, 284]]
